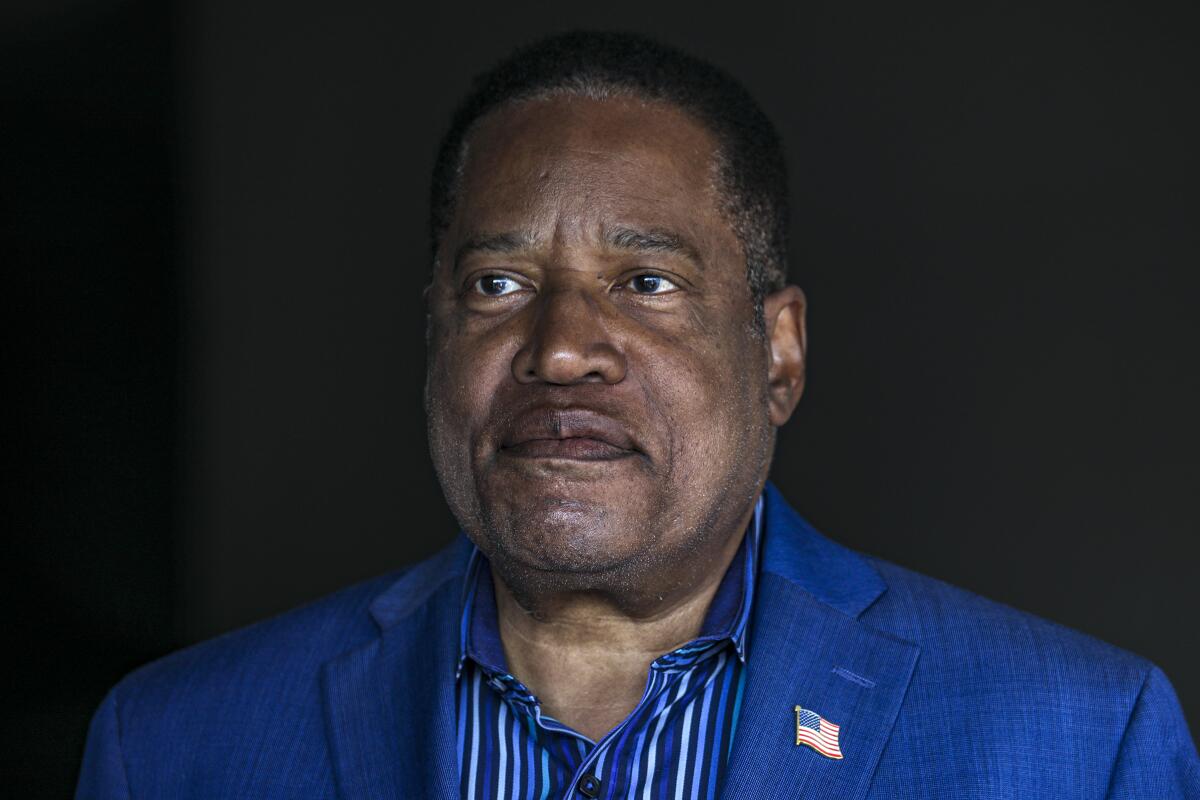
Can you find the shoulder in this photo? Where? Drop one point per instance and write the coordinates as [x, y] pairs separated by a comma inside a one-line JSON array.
[[284, 652], [189, 724], [965, 629], [213, 715], [272, 669], [978, 644], [1101, 715], [986, 669], [287, 651]]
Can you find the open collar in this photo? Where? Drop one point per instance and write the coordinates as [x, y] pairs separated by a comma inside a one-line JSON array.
[[390, 705], [726, 620]]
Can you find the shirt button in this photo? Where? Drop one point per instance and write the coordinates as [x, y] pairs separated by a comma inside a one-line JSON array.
[[589, 786]]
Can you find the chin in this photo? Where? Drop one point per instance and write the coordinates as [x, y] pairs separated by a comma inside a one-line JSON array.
[[567, 538]]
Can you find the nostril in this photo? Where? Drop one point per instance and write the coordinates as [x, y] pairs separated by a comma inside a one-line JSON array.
[[568, 343], [596, 363]]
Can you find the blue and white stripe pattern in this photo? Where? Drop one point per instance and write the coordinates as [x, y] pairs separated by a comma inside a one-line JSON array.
[[673, 745]]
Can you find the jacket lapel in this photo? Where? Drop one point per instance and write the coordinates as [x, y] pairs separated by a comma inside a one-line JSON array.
[[807, 647], [389, 705]]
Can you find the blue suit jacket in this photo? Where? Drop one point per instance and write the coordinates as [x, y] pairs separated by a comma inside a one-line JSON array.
[[938, 692]]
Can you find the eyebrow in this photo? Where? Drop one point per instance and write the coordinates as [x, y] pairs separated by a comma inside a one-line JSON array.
[[621, 238], [510, 242], [652, 241]]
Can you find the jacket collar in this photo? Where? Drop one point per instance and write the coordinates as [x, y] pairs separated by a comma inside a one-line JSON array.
[[414, 588], [390, 706], [830, 573]]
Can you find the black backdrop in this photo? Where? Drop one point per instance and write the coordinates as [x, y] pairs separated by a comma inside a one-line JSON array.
[[214, 221]]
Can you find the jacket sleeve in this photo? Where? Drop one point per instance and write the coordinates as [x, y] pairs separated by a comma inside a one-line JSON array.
[[102, 776], [1157, 757]]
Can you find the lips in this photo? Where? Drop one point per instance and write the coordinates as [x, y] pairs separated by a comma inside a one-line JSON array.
[[568, 433]]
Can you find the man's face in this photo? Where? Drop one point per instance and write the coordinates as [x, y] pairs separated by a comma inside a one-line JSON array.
[[596, 393]]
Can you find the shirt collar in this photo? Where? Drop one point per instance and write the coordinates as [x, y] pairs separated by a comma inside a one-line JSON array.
[[725, 621]]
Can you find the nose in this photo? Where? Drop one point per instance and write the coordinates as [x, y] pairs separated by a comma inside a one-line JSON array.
[[568, 343]]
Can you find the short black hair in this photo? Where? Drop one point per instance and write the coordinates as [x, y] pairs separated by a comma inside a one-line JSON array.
[[751, 172]]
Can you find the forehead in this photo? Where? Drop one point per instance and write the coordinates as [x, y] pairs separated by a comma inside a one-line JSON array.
[[570, 166]]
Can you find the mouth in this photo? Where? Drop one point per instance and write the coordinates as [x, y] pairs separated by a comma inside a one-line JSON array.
[[572, 434]]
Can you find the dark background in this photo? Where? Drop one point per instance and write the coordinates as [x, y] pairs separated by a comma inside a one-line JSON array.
[[213, 221]]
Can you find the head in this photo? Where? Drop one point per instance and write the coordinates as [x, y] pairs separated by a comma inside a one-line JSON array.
[[612, 343]]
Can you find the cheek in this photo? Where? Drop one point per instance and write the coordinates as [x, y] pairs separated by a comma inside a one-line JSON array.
[[714, 395], [464, 373]]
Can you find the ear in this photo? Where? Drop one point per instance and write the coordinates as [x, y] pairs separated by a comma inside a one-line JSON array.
[[787, 346]]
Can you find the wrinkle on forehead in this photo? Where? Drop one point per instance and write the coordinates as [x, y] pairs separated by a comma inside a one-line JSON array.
[[568, 168]]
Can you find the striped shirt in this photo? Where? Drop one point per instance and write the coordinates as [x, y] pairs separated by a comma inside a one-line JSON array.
[[674, 744]]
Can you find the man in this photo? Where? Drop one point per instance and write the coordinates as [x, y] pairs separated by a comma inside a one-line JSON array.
[[634, 611]]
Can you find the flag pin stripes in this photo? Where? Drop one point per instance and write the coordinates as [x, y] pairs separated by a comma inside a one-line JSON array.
[[818, 733]]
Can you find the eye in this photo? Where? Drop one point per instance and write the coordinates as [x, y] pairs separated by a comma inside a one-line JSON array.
[[649, 283], [495, 285]]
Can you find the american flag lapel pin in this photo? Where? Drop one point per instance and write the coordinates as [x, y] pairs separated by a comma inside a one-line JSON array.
[[817, 732]]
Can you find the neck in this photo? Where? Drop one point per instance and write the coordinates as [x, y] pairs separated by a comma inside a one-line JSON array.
[[586, 656]]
